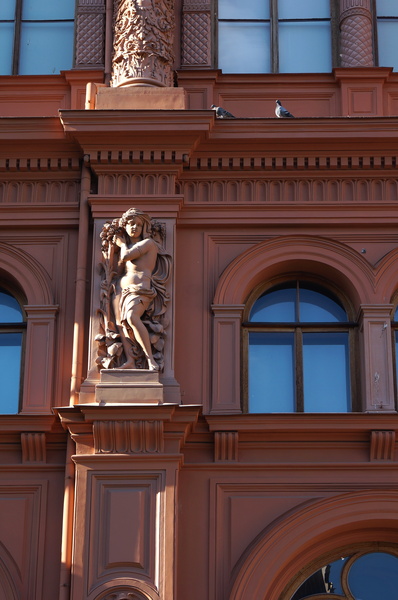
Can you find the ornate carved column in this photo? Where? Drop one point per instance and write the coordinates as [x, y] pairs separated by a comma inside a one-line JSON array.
[[143, 43], [356, 47], [196, 34]]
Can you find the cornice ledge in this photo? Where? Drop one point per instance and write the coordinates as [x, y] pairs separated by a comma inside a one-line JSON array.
[[75, 121], [301, 422]]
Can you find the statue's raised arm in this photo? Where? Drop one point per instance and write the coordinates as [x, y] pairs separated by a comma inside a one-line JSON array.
[[133, 294]]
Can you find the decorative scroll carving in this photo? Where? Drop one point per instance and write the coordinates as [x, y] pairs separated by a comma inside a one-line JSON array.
[[382, 445], [128, 437], [143, 43], [133, 299], [33, 447], [356, 36]]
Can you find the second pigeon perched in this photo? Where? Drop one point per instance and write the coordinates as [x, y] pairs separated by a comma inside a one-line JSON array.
[[281, 112], [221, 113]]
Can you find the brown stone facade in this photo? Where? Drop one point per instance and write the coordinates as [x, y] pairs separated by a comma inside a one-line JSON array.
[[158, 484]]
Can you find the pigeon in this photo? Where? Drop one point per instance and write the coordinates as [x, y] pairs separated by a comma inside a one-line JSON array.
[[281, 112], [221, 113]]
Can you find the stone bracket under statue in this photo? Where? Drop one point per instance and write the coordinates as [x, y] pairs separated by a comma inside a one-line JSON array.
[[129, 386]]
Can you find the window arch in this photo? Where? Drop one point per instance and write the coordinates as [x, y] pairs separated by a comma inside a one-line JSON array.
[[299, 338], [12, 333]]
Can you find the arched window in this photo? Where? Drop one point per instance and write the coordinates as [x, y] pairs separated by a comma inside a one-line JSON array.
[[12, 327], [274, 36], [362, 575], [298, 337]]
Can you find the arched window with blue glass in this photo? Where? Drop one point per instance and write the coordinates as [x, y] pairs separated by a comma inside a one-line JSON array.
[[299, 341], [12, 329]]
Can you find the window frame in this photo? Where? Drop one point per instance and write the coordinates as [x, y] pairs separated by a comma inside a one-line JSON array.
[[350, 326], [274, 33], [354, 551], [16, 327], [16, 48]]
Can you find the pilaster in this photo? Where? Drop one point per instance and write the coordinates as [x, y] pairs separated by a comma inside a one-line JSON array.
[[127, 462], [378, 382]]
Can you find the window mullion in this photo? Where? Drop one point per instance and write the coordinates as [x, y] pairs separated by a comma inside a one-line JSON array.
[[298, 351], [17, 37], [274, 36]]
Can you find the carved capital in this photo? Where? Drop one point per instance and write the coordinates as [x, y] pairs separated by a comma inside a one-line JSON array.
[[143, 43]]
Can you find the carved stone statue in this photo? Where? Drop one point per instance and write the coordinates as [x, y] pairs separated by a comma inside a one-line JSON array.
[[133, 299], [143, 43]]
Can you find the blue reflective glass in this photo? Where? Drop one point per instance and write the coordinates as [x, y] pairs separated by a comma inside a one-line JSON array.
[[7, 10], [46, 48], [374, 576], [7, 41], [10, 371], [10, 310], [244, 47], [326, 372], [305, 47], [250, 9], [388, 43], [318, 308], [387, 8], [334, 575], [271, 372], [396, 314], [304, 9], [275, 307], [46, 10]]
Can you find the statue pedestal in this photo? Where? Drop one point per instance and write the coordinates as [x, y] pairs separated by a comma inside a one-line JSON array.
[[129, 386], [139, 97]]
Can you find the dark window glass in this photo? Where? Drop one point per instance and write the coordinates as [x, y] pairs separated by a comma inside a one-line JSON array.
[[36, 36], [298, 351], [12, 328]]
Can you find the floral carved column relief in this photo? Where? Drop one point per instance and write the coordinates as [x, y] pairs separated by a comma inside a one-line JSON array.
[[356, 47], [143, 43]]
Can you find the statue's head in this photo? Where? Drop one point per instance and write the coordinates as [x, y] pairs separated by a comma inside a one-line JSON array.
[[135, 214]]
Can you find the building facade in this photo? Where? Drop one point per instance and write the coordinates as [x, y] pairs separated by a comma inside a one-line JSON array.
[[249, 451]]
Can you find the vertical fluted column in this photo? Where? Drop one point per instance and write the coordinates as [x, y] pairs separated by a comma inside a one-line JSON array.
[[356, 47], [143, 43]]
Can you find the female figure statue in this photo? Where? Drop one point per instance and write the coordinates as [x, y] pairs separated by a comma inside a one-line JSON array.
[[134, 297]]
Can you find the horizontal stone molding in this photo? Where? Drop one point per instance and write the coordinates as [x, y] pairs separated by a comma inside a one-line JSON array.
[[288, 190], [39, 191], [40, 164], [290, 163]]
